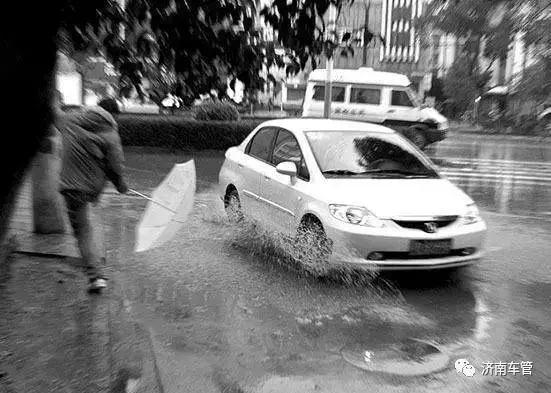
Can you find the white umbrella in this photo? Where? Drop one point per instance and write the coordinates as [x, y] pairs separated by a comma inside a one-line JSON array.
[[168, 207]]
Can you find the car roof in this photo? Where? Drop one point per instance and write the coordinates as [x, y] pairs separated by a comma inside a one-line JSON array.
[[305, 124], [365, 76]]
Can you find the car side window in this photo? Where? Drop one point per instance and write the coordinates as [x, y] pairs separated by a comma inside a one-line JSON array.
[[365, 96], [260, 145], [286, 148], [337, 93], [400, 98]]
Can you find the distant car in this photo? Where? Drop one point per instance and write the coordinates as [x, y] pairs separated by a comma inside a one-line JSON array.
[[351, 186], [384, 98]]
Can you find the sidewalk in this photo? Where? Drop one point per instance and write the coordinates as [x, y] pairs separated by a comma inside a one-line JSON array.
[[54, 336]]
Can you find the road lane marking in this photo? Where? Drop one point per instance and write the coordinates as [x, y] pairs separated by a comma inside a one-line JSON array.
[[504, 172], [492, 160], [496, 176], [520, 216]]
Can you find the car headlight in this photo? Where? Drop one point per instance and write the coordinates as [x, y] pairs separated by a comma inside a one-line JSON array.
[[471, 215], [444, 125], [355, 215]]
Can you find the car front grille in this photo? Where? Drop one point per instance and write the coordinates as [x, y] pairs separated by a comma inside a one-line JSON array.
[[440, 222], [406, 255]]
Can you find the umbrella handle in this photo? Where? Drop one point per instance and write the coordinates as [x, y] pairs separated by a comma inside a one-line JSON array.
[[150, 199]]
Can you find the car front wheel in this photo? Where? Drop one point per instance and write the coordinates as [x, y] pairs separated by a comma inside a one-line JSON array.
[[313, 248], [233, 206]]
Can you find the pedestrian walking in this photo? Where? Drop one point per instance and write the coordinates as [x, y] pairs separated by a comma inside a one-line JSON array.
[[91, 155]]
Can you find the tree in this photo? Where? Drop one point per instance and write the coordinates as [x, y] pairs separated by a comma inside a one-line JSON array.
[[535, 24], [536, 82], [302, 28], [463, 86], [192, 45], [483, 27]]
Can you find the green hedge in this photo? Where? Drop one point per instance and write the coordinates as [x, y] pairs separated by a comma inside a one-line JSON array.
[[182, 133], [221, 111]]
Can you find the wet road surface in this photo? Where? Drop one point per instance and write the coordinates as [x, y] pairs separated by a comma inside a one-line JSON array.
[[227, 314]]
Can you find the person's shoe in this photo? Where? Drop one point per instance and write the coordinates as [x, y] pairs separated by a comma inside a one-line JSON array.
[[97, 285]]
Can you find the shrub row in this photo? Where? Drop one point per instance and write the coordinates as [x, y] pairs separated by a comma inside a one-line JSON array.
[[216, 111], [182, 133]]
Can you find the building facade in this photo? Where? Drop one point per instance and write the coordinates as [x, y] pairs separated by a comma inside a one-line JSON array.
[[395, 45]]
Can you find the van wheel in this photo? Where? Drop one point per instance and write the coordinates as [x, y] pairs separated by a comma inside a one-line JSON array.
[[232, 205], [313, 248], [417, 136]]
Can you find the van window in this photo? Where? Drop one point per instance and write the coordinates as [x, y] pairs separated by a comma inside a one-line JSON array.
[[400, 98], [337, 93], [365, 96]]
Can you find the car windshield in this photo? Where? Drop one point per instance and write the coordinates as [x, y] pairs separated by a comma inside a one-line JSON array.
[[363, 154]]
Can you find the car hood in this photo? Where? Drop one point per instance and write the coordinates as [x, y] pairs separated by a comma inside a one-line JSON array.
[[390, 198], [433, 114]]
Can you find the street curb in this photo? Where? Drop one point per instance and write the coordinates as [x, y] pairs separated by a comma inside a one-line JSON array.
[[7, 249], [483, 134]]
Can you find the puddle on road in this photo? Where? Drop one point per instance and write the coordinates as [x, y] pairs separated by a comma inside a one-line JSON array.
[[409, 358]]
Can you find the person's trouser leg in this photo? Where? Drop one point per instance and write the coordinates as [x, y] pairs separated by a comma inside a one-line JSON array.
[[79, 216]]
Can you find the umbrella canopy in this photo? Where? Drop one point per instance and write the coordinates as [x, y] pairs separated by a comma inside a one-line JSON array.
[[168, 207]]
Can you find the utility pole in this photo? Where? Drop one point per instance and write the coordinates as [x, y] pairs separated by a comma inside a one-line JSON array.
[[329, 64], [367, 33]]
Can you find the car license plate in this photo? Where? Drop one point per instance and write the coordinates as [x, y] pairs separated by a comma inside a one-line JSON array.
[[430, 247]]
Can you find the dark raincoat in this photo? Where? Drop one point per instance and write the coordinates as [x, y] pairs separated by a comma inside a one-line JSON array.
[[91, 152]]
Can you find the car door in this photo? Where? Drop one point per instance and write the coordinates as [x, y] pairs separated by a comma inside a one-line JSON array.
[[280, 193], [401, 110], [253, 165]]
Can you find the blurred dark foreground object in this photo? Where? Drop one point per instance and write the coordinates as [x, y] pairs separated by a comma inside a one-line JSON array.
[[110, 105], [28, 45]]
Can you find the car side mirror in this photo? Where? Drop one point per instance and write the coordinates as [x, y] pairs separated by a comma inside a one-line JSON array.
[[287, 168]]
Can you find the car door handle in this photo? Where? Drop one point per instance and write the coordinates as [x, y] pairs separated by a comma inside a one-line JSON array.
[[240, 165], [390, 111], [267, 178]]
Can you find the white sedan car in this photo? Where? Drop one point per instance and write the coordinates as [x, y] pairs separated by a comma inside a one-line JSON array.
[[358, 193]]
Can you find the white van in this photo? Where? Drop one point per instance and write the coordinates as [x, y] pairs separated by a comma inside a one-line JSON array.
[[377, 97]]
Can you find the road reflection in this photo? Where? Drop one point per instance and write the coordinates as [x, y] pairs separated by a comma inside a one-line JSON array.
[[504, 177]]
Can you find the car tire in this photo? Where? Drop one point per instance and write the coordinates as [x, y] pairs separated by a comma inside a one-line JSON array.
[[417, 136], [547, 126], [232, 205], [312, 247]]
